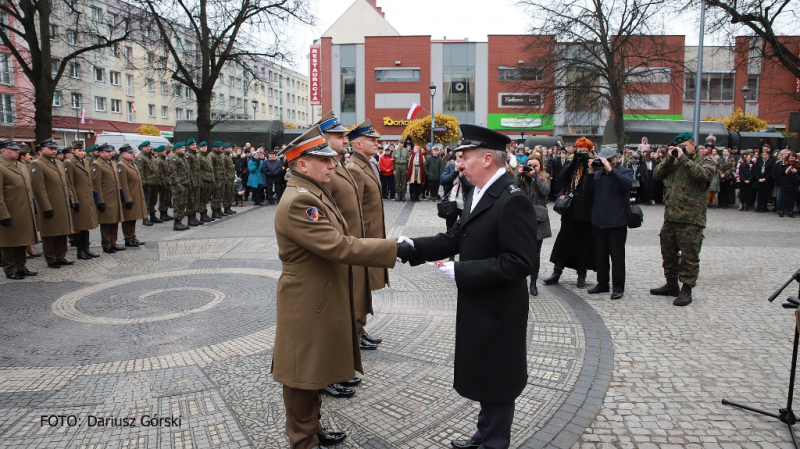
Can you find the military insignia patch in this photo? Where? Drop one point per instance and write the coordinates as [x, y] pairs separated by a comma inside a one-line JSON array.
[[513, 189], [94, 169], [66, 169], [33, 171], [312, 213], [302, 190], [119, 170]]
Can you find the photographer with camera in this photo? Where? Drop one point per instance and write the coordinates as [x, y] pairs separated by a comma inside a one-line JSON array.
[[534, 182], [687, 177], [573, 246], [610, 183]]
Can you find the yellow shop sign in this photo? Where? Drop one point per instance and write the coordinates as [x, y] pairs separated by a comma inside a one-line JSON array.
[[388, 121]]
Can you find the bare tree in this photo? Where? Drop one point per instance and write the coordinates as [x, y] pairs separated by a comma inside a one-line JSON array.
[[597, 54], [47, 39], [202, 38], [761, 17]]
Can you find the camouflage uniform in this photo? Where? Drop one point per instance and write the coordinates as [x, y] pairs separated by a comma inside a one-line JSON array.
[[400, 157], [208, 182], [685, 202], [219, 181], [164, 190], [149, 170], [179, 182], [195, 182], [230, 173]]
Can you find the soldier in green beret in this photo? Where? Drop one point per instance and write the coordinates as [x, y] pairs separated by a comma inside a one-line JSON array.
[[149, 171], [687, 176], [228, 195], [179, 182], [207, 182], [218, 167], [195, 183], [164, 192]]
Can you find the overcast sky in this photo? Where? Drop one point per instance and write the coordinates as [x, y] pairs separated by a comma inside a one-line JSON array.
[[458, 19]]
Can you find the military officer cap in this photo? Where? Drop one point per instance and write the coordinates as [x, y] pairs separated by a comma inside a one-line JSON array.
[[50, 143], [363, 130], [202, 143], [474, 136], [226, 145], [66, 150], [58, 151], [146, 143], [125, 149], [104, 147], [311, 143], [217, 143], [179, 145], [77, 144], [680, 138], [330, 123], [91, 148], [24, 149], [9, 145], [190, 141], [160, 149]]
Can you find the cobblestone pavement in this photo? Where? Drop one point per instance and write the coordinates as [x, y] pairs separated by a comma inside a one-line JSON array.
[[183, 327]]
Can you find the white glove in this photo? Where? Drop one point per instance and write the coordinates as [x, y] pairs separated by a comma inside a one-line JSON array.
[[403, 238], [449, 269]]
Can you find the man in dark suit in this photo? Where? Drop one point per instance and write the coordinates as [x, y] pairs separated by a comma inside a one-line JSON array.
[[764, 179], [495, 240]]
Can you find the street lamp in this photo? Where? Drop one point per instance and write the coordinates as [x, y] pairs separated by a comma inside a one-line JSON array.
[[432, 88], [255, 106], [745, 90]]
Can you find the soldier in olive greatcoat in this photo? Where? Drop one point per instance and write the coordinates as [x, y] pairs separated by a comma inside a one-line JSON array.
[[105, 179], [135, 208], [17, 223], [53, 204], [84, 212]]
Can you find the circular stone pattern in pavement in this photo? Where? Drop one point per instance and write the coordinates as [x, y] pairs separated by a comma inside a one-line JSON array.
[[143, 316]]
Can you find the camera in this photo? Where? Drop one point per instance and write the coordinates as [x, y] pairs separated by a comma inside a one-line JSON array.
[[527, 169], [674, 152], [597, 163]]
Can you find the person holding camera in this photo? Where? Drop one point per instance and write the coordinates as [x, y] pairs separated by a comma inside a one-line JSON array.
[[610, 184], [573, 246], [534, 182], [687, 177]]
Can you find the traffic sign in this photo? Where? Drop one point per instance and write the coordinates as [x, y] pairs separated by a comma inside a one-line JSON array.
[[440, 128]]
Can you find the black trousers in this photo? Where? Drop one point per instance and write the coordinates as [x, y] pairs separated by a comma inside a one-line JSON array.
[[433, 187], [387, 186], [494, 425], [258, 194], [610, 243], [536, 260], [764, 195]]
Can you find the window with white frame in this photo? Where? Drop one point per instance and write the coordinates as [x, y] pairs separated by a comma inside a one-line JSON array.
[[8, 115], [164, 112], [231, 101], [151, 110], [76, 100], [128, 57], [72, 37], [178, 113], [164, 87], [57, 98], [113, 78], [6, 70], [189, 114], [55, 64], [98, 74], [148, 84], [129, 85], [53, 32], [116, 106], [100, 104], [75, 70], [96, 14]]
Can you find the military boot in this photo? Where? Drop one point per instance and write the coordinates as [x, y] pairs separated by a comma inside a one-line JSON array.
[[685, 297], [671, 288], [147, 222], [215, 214], [193, 221], [205, 218], [553, 278], [178, 226], [155, 219], [581, 280], [222, 212], [166, 217], [230, 211]]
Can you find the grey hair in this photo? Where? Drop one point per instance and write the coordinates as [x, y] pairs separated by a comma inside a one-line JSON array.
[[499, 158]]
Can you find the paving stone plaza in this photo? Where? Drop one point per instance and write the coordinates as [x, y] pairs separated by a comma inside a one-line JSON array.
[[176, 337]]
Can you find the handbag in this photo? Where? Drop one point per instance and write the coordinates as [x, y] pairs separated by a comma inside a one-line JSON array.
[[635, 216], [446, 208], [563, 203], [541, 213]]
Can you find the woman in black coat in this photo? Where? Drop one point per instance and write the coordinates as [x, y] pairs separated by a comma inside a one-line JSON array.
[[574, 246], [788, 181], [646, 168], [535, 184], [746, 178]]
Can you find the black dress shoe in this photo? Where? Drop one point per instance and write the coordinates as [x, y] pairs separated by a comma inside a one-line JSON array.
[[54, 265], [118, 248], [111, 250], [328, 438], [367, 346], [131, 244], [598, 289], [371, 339], [354, 382], [616, 295], [91, 254], [65, 262], [338, 391], [465, 444], [84, 256], [27, 272], [15, 276], [581, 281], [138, 243]]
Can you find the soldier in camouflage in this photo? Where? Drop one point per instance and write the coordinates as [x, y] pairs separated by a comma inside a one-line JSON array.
[[219, 179], [401, 157], [228, 194], [208, 182], [164, 193], [149, 170], [195, 183], [179, 182], [687, 176]]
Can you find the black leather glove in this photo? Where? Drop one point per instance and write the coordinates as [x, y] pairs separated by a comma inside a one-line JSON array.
[[48, 214], [76, 207], [6, 222], [129, 205], [405, 251], [101, 207]]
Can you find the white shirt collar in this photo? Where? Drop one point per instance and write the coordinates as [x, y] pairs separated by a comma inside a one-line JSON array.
[[477, 193]]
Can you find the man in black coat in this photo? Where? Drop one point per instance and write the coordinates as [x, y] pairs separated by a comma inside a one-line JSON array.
[[764, 178], [495, 240]]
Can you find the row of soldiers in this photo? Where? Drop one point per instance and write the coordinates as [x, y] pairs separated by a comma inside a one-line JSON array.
[[189, 178]]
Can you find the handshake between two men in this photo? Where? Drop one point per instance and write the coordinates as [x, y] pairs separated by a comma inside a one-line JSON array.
[[407, 253]]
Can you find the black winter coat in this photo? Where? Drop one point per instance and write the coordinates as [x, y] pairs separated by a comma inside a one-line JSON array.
[[581, 209], [495, 242], [611, 192]]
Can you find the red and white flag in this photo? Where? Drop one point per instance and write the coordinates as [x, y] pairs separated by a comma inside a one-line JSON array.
[[133, 108], [415, 108], [83, 116]]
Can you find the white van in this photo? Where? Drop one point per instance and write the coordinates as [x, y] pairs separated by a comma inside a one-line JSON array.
[[119, 139]]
